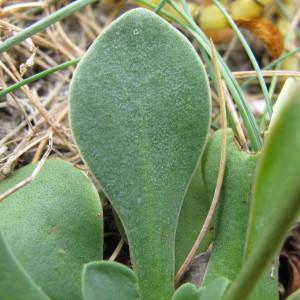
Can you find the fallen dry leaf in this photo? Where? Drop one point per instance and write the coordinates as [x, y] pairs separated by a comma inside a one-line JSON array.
[[267, 32], [219, 35]]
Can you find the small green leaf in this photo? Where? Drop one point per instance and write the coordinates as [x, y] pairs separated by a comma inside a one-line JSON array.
[[231, 218], [215, 289], [53, 226], [186, 292], [109, 281], [15, 284], [275, 206], [140, 111]]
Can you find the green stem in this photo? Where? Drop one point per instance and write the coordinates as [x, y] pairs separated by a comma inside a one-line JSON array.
[[250, 55], [160, 6], [186, 8], [38, 76], [43, 23]]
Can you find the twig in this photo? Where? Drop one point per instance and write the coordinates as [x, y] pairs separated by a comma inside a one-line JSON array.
[[117, 250], [34, 173], [11, 9], [44, 23], [283, 73], [235, 118]]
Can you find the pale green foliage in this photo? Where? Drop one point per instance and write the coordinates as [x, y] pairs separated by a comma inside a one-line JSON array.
[[192, 215], [215, 289], [233, 207], [15, 284], [212, 291], [109, 281], [53, 226], [275, 205], [186, 292], [140, 111]]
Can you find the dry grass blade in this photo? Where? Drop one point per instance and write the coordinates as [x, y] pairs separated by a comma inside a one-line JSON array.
[[232, 110], [12, 9], [282, 73], [117, 250], [34, 173]]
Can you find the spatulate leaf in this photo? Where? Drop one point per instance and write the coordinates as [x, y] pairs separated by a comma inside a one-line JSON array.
[[108, 281], [140, 110]]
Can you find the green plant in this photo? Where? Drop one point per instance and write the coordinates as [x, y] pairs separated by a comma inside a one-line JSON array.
[[158, 79], [140, 114], [52, 226]]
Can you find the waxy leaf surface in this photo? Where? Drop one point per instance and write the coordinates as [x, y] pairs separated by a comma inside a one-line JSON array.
[[109, 281], [215, 289], [15, 284], [140, 110], [53, 226], [231, 218], [186, 292]]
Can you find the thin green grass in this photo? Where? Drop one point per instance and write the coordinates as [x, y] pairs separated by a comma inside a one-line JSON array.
[[38, 76], [43, 24], [250, 55]]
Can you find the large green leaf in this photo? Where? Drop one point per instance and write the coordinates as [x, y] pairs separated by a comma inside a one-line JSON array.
[[275, 205], [140, 110], [192, 215], [109, 281], [233, 208], [15, 284], [53, 226]]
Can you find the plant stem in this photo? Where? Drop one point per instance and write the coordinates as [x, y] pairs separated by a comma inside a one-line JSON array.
[[43, 23]]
